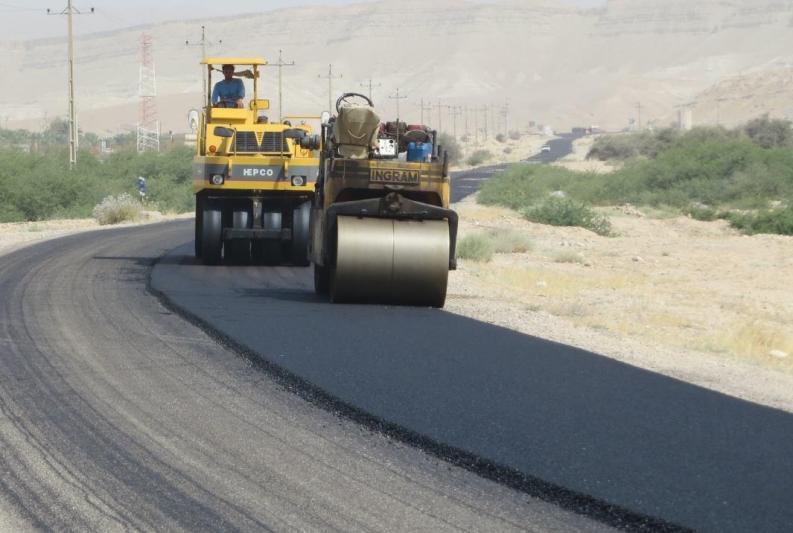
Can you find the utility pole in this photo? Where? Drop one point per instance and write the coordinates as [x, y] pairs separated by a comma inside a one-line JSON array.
[[476, 125], [281, 64], [370, 85], [465, 117], [396, 96], [486, 109], [203, 43], [639, 115], [440, 119], [505, 115], [69, 11], [455, 111], [330, 77], [423, 109]]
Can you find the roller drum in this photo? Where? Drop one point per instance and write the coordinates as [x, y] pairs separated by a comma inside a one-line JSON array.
[[391, 261]]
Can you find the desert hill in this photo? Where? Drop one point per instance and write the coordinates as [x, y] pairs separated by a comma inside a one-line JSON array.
[[554, 65]]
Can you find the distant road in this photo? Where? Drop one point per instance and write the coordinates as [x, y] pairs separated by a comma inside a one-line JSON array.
[[467, 182]]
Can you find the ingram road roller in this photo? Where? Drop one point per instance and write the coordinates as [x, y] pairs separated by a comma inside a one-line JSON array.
[[253, 178], [381, 227]]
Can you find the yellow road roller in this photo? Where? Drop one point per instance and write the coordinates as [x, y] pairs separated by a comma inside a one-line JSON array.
[[381, 227], [253, 178]]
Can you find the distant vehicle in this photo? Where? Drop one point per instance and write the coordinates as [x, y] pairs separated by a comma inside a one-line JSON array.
[[545, 148]]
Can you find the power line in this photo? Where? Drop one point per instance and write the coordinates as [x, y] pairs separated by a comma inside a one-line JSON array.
[[281, 63], [203, 43], [69, 11], [424, 108], [370, 85], [330, 77]]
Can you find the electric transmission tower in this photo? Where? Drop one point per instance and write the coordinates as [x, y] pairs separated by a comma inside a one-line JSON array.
[[148, 124]]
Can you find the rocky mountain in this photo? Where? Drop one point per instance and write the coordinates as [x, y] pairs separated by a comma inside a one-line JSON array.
[[553, 65]]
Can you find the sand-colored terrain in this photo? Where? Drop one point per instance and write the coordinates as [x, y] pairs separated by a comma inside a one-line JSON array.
[[511, 150], [554, 64], [694, 300]]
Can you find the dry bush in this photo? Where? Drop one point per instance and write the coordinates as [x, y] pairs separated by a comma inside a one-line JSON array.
[[475, 247], [510, 241], [569, 256], [117, 209]]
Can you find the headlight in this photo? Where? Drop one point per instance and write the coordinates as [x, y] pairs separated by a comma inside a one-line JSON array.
[[298, 181], [217, 179]]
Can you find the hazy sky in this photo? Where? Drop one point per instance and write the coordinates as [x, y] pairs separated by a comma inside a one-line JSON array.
[[27, 19]]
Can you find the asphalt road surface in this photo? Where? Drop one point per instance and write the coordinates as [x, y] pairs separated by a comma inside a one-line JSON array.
[[118, 415], [560, 423]]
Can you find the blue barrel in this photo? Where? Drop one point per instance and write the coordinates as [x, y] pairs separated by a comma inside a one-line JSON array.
[[419, 152]]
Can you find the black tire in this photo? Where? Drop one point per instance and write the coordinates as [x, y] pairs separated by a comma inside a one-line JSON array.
[[268, 252], [321, 279], [211, 233], [238, 251], [301, 230], [199, 215]]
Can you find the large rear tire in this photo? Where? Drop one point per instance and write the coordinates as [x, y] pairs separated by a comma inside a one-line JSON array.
[[301, 229], [199, 215], [238, 251], [211, 232]]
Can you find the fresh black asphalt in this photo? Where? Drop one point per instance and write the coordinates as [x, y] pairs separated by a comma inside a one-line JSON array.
[[571, 422]]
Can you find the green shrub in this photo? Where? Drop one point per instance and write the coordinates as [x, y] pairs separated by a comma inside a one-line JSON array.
[[37, 186], [117, 209], [479, 157], [508, 150], [475, 247], [777, 221], [769, 133], [501, 138], [567, 212], [451, 146], [514, 135]]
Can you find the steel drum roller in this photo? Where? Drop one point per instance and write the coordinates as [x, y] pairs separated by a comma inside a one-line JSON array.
[[388, 260]]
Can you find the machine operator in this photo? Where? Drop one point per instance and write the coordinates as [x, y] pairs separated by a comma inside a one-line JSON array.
[[229, 91]]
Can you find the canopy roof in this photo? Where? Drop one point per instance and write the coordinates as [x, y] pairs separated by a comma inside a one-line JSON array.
[[234, 61]]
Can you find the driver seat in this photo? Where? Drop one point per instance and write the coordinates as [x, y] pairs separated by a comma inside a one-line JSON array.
[[355, 131]]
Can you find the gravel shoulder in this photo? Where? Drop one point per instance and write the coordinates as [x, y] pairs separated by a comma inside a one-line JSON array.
[[16, 235], [692, 300]]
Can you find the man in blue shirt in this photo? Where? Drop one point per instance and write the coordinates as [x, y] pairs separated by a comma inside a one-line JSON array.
[[230, 91]]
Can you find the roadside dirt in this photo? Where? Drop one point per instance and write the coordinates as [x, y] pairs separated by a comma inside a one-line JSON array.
[[16, 235], [694, 300]]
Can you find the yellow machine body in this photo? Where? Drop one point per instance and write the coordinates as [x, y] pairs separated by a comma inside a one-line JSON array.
[[381, 227], [254, 178]]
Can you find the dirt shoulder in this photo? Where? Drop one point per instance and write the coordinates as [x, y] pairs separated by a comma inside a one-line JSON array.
[[693, 300], [17, 235]]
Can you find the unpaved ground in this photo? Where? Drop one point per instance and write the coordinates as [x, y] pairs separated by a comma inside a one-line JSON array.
[[18, 234], [509, 151], [694, 300], [578, 162]]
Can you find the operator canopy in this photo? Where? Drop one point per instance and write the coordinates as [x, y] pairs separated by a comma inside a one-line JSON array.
[[355, 130]]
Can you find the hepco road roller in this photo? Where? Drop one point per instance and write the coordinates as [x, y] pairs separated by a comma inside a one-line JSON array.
[[253, 179], [381, 227]]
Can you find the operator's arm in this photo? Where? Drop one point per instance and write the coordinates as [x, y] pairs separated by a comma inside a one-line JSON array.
[[215, 95]]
